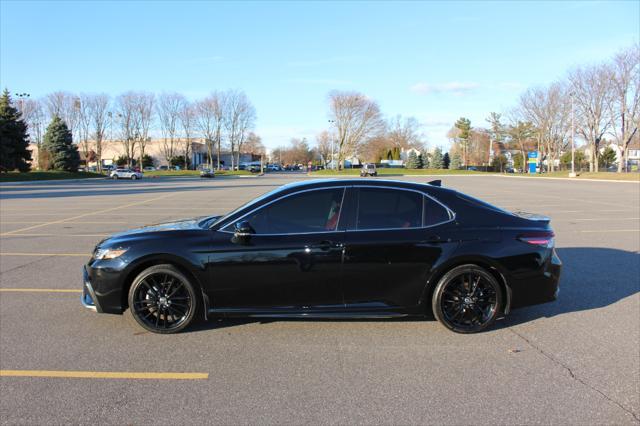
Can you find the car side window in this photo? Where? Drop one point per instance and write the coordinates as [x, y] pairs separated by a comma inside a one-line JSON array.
[[380, 208], [312, 211], [434, 212]]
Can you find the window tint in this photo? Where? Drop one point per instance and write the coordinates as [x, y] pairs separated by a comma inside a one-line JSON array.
[[313, 211], [434, 212], [388, 208]]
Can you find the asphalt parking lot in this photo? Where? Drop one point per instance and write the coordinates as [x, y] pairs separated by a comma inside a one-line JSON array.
[[574, 361]]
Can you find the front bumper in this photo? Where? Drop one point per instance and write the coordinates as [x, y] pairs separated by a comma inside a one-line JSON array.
[[88, 298]]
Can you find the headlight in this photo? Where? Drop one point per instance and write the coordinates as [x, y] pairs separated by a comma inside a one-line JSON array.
[[105, 253]]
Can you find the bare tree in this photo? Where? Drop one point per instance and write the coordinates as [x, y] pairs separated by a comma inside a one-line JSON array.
[[187, 117], [169, 108], [323, 145], [591, 90], [206, 113], [98, 111], [548, 109], [66, 106], [126, 106], [84, 125], [144, 120], [356, 117], [240, 116], [404, 132], [625, 103]]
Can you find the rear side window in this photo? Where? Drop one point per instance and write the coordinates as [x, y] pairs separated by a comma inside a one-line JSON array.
[[434, 212], [380, 208]]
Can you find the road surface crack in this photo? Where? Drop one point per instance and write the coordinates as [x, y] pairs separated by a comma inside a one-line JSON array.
[[573, 375]]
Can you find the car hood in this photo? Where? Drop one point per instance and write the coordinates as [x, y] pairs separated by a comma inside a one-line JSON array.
[[178, 225]]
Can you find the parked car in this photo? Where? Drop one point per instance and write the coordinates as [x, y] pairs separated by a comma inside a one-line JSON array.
[[149, 169], [331, 249], [472, 168], [207, 173], [125, 174], [163, 168], [368, 169], [254, 168]]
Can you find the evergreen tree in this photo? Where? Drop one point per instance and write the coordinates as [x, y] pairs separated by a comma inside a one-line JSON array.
[[456, 162], [412, 161], [446, 160], [437, 160], [607, 158], [58, 142], [426, 158], [14, 139], [420, 164]]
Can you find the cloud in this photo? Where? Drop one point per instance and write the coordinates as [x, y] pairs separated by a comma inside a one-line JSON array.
[[457, 88], [314, 62], [323, 81]]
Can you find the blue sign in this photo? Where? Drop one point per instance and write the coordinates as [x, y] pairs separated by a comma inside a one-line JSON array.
[[533, 161]]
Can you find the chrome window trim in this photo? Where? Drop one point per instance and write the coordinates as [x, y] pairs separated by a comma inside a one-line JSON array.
[[451, 213], [344, 191]]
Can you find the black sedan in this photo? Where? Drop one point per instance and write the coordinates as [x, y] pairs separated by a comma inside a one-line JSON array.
[[331, 249]]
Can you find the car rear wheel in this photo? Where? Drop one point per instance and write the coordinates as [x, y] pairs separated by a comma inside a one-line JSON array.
[[115, 177], [467, 299], [134, 177], [163, 300]]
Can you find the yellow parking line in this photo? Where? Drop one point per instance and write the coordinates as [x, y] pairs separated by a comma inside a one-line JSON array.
[[40, 290], [55, 235], [103, 375], [46, 254], [610, 230], [75, 222], [89, 214]]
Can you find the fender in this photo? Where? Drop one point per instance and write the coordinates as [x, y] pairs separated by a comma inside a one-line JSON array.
[[486, 262]]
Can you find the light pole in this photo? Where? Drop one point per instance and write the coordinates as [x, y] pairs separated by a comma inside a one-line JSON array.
[[333, 164], [573, 146]]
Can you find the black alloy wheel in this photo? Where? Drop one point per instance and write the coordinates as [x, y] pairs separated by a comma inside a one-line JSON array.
[[163, 300], [134, 177], [467, 299]]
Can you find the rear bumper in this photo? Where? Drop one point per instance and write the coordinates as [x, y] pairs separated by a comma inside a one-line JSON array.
[[542, 287]]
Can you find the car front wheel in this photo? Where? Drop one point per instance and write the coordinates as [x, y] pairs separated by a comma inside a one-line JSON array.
[[467, 299], [134, 177], [163, 300]]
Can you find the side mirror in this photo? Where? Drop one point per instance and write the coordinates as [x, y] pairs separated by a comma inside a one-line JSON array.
[[243, 229]]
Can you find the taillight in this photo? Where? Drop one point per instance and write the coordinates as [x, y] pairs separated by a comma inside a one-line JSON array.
[[542, 238]]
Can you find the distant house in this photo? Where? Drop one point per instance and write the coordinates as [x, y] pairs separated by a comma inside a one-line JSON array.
[[112, 150]]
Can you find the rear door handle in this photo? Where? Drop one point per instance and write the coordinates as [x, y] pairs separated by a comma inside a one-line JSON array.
[[433, 239]]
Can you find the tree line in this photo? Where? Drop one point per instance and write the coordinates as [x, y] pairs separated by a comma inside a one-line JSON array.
[[223, 119], [602, 100]]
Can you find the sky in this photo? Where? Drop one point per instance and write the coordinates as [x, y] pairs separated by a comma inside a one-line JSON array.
[[436, 61]]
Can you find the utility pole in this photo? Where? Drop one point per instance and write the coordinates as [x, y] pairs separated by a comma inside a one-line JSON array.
[[333, 164], [573, 146]]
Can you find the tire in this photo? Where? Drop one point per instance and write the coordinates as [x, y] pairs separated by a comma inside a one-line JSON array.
[[134, 177], [163, 300], [115, 177], [467, 299]]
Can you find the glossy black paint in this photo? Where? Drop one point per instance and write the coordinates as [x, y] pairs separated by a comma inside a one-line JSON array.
[[341, 273]]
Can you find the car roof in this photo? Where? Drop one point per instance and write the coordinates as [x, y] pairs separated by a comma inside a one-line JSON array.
[[317, 183]]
